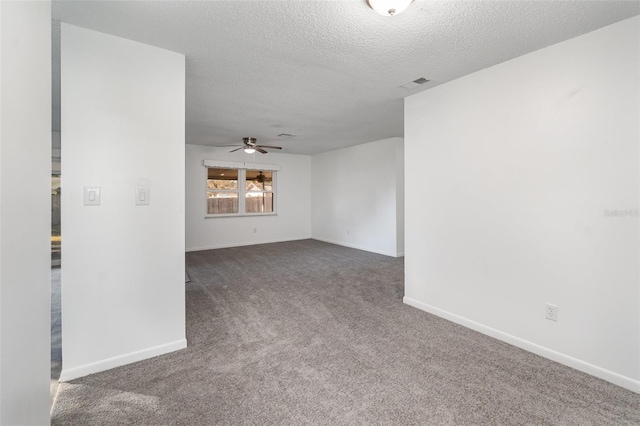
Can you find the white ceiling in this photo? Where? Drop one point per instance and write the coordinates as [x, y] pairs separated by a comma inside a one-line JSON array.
[[327, 71]]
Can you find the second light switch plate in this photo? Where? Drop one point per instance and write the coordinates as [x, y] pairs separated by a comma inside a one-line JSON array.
[[142, 195]]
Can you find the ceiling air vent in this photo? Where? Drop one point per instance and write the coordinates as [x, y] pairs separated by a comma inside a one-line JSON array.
[[286, 135], [415, 83]]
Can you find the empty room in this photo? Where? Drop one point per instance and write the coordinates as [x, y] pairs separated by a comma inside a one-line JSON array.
[[320, 212]]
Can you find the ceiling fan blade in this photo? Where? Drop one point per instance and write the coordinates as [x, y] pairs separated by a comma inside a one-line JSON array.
[[237, 149], [272, 147], [261, 150], [225, 146]]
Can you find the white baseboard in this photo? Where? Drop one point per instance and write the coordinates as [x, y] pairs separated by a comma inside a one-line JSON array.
[[355, 246], [107, 364], [610, 376], [246, 243]]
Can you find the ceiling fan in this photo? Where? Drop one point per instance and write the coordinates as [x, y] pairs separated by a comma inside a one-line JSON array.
[[250, 146]]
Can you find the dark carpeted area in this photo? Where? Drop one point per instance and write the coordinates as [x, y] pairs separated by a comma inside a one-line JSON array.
[[306, 332]]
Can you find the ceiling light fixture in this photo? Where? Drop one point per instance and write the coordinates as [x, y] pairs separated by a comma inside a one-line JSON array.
[[389, 7], [249, 150]]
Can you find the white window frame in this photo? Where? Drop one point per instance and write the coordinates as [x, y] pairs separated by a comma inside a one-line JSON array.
[[242, 186]]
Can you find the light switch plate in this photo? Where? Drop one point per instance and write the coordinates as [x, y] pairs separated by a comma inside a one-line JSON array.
[[142, 195], [91, 195]]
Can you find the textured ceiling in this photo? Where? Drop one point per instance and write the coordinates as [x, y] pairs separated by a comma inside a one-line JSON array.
[[326, 71]]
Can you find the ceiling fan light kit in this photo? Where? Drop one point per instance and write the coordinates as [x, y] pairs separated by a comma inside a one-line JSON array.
[[389, 7]]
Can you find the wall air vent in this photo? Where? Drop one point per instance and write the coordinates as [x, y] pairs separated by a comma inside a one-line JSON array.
[[415, 83]]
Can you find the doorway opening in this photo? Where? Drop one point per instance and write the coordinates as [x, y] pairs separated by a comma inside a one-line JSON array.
[[56, 263]]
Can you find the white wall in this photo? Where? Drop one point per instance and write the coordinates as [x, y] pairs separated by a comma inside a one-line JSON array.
[[25, 181], [357, 196], [509, 172], [293, 202], [400, 198], [122, 264]]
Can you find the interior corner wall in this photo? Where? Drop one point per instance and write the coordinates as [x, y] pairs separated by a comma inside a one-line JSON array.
[[25, 188], [123, 126], [522, 183], [355, 197], [293, 219]]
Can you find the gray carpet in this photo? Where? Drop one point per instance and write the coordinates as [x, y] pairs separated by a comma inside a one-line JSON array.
[[306, 332]]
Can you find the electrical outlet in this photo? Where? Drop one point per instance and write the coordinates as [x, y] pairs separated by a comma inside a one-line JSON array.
[[348, 231], [551, 312], [255, 230]]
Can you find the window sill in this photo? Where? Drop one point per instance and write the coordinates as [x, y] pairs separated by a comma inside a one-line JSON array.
[[212, 216]]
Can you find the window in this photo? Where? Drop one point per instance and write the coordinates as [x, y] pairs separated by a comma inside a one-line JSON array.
[[222, 191], [259, 191], [241, 190]]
